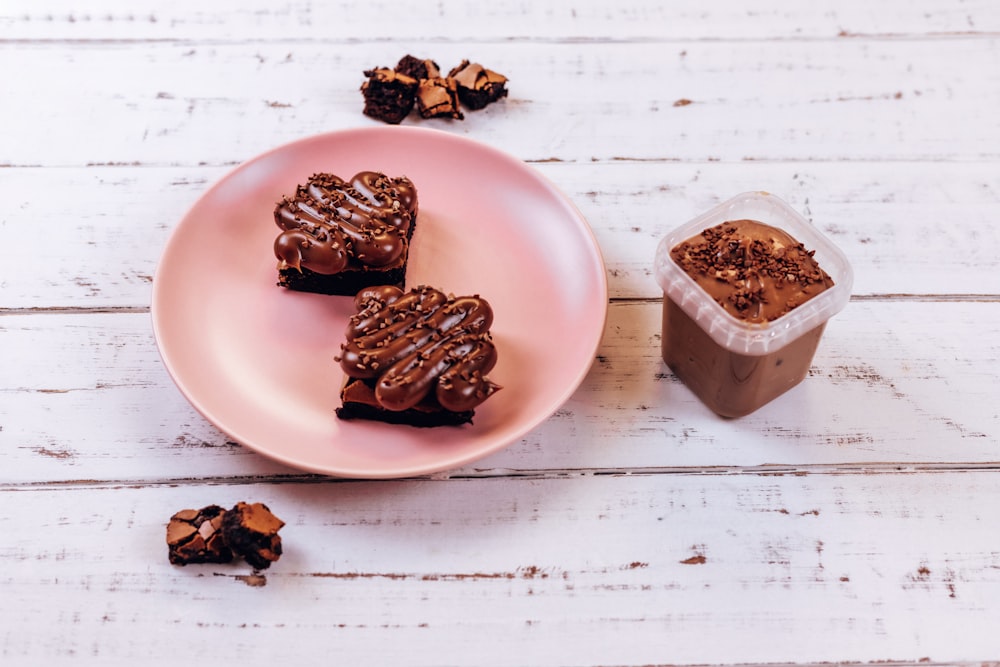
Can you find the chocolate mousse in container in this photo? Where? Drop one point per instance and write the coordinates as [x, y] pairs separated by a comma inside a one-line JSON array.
[[748, 288]]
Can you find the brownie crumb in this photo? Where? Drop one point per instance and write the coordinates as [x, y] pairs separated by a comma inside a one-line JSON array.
[[478, 86], [438, 98], [252, 532], [389, 96], [195, 536], [215, 535], [417, 68]]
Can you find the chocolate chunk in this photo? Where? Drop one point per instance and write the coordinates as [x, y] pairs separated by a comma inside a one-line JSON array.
[[389, 95], [438, 98], [478, 86], [252, 532], [195, 536], [416, 68]]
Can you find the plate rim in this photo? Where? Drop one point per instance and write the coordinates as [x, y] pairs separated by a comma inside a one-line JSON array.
[[398, 472]]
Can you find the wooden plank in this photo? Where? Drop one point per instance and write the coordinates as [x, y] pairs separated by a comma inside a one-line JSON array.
[[701, 101], [114, 222], [893, 383], [452, 19], [852, 521], [637, 569]]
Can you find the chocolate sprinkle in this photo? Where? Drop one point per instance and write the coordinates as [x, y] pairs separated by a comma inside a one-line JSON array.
[[754, 271]]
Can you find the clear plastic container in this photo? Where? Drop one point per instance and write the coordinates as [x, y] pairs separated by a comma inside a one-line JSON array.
[[733, 366]]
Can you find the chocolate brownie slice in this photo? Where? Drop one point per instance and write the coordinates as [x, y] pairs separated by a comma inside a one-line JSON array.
[[478, 86], [389, 95], [339, 236], [418, 357], [358, 401], [251, 531], [438, 98], [195, 536]]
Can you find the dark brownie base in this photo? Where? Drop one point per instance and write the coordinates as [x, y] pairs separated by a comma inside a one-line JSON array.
[[388, 97], [416, 68], [345, 283], [251, 531], [476, 99], [425, 415], [196, 536]]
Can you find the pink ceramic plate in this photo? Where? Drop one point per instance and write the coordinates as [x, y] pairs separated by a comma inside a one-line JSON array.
[[257, 360]]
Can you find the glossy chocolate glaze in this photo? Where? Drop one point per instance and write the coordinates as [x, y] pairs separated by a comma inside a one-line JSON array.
[[756, 272], [331, 224], [421, 341]]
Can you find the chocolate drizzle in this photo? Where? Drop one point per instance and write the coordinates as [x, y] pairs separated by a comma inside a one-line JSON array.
[[421, 344], [331, 224]]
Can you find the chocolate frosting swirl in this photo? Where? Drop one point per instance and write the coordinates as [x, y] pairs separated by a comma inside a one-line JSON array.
[[418, 342], [331, 224]]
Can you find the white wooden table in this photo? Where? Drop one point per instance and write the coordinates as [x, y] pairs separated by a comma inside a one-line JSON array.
[[855, 519]]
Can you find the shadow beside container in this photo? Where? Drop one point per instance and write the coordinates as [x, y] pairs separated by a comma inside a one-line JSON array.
[[736, 366]]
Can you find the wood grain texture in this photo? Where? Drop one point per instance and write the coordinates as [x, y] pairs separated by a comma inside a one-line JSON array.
[[638, 569], [222, 103], [850, 521], [446, 20], [115, 221], [872, 399]]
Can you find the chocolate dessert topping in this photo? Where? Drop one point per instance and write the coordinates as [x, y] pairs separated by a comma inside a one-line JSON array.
[[252, 532], [756, 272], [331, 223], [419, 343]]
